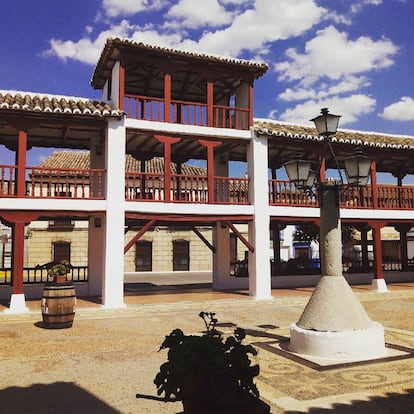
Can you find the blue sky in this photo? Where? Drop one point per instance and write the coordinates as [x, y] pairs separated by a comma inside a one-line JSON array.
[[353, 56]]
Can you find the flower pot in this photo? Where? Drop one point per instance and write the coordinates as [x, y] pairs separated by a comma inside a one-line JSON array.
[[59, 279], [58, 305]]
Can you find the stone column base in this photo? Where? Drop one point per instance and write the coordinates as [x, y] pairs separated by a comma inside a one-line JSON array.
[[17, 304], [359, 344], [379, 285]]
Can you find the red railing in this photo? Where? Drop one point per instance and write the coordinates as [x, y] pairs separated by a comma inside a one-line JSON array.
[[144, 187], [184, 112], [231, 190], [283, 192], [89, 184], [7, 179], [391, 197], [185, 189], [54, 183]]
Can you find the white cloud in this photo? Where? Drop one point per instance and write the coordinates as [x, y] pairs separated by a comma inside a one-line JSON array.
[[268, 21], [356, 7], [403, 110], [191, 15], [86, 50], [331, 54], [346, 85], [350, 108], [253, 27], [115, 8]]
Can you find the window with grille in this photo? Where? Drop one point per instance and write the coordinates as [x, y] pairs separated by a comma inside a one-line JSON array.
[[143, 256], [181, 255]]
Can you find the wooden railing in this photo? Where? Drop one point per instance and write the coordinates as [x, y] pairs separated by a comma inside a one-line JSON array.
[[185, 112], [390, 197], [185, 189], [54, 183], [38, 274], [284, 192], [89, 184]]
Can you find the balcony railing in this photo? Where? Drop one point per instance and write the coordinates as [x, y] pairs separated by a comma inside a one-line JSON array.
[[185, 189], [38, 274], [187, 113], [89, 184], [54, 183], [389, 197]]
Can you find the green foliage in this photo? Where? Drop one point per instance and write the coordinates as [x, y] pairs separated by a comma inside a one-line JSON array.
[[210, 368], [61, 268]]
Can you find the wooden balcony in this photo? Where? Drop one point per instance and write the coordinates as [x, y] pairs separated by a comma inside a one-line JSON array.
[[186, 189], [53, 183], [187, 113], [150, 187], [385, 197]]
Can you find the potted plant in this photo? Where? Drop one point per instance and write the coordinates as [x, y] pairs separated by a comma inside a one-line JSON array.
[[210, 373], [58, 271]]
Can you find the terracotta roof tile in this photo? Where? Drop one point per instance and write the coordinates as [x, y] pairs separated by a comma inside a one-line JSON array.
[[371, 139], [81, 160], [32, 102], [110, 52]]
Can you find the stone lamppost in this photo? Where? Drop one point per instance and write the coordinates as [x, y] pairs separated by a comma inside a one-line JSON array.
[[334, 325]]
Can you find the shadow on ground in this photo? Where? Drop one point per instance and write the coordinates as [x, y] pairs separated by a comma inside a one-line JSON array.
[[59, 397], [392, 403]]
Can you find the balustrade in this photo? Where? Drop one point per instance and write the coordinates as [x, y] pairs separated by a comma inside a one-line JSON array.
[[185, 112]]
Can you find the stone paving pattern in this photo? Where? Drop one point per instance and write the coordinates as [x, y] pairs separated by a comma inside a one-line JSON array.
[[108, 356]]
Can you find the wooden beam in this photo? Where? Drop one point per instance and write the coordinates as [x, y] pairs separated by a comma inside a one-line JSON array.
[[139, 235], [204, 240], [240, 236]]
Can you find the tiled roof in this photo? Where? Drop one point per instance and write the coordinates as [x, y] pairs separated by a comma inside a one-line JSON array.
[[81, 160], [360, 138], [111, 52], [33, 102]]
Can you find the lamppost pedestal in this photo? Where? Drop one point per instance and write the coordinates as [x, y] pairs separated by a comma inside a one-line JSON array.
[[334, 325]]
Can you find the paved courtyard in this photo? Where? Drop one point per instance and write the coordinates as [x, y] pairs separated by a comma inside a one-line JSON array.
[[108, 356]]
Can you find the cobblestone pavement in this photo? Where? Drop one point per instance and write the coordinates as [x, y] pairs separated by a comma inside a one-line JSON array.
[[108, 356]]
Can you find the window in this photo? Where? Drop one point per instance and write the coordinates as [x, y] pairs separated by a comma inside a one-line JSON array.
[[61, 251], [181, 255], [143, 256]]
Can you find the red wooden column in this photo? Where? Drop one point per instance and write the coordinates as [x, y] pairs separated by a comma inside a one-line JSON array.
[[168, 142], [167, 97], [251, 95], [374, 184], [210, 145], [121, 86], [17, 256], [210, 104], [322, 170], [17, 221], [21, 164]]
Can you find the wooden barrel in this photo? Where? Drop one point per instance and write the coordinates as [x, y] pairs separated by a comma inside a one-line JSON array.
[[58, 305]]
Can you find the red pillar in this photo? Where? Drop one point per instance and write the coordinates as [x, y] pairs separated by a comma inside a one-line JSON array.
[[167, 97], [210, 103], [17, 256], [210, 145], [21, 164], [121, 87], [251, 94], [322, 170], [374, 184], [167, 141]]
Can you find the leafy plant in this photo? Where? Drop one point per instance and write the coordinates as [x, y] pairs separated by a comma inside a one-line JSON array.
[[210, 369], [61, 268]]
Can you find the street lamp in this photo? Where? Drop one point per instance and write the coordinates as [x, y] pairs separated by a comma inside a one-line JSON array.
[[334, 325]]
